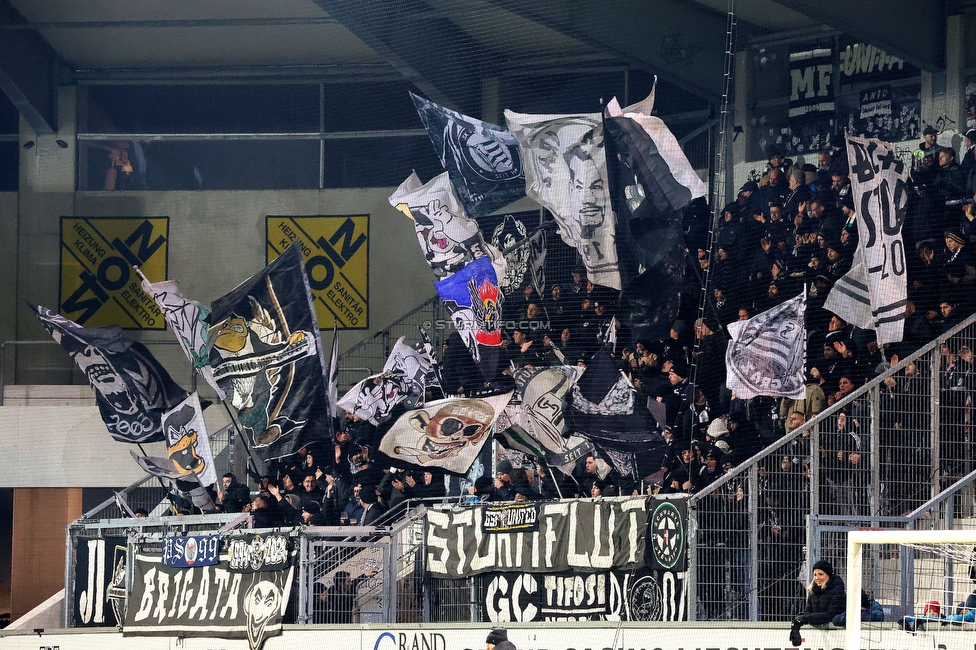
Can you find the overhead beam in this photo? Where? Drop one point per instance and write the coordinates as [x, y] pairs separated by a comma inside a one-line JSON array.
[[682, 42], [909, 29], [29, 67], [426, 48]]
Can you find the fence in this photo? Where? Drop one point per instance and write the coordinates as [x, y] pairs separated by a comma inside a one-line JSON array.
[[876, 458]]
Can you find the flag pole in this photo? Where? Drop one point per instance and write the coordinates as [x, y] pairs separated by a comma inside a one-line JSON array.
[[169, 495], [260, 468]]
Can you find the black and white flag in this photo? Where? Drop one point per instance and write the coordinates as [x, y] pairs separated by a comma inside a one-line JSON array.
[[880, 193], [187, 441], [850, 298], [268, 358], [132, 389], [185, 486], [537, 261], [566, 171], [448, 237], [482, 159], [765, 355]]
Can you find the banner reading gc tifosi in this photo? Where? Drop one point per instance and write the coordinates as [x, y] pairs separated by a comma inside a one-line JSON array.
[[579, 535], [207, 601], [335, 251], [98, 285]]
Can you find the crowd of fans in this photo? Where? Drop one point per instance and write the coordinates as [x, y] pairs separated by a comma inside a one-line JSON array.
[[792, 229]]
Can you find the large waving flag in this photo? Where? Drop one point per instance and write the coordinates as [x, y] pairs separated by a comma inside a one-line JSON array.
[[449, 238], [475, 302], [482, 159], [566, 171], [765, 355], [607, 410], [268, 359], [187, 441], [188, 318], [403, 380], [533, 421], [651, 182], [879, 283], [131, 389], [447, 433]]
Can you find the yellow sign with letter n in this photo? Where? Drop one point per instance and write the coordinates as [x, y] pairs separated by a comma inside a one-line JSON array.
[[98, 285], [336, 254]]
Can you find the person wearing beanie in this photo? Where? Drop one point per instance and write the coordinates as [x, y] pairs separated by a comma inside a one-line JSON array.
[[498, 640], [827, 599], [931, 613]]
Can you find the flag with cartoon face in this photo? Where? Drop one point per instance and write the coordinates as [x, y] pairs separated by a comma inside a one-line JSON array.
[[482, 159], [566, 171], [131, 389], [268, 358], [475, 302], [449, 238], [447, 433], [187, 442]]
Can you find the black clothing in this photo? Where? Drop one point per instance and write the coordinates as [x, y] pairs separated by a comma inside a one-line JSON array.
[[824, 604]]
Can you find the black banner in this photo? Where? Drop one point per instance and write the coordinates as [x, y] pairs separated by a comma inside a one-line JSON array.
[[268, 359], [580, 535], [641, 595], [99, 596], [863, 63], [209, 601], [812, 85]]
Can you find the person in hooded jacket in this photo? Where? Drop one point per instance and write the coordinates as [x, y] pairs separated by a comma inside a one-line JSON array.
[[827, 599]]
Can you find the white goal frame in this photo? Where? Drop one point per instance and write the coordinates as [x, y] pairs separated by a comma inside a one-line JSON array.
[[856, 539]]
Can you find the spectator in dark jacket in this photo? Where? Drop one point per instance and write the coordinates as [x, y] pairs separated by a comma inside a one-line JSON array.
[[827, 599]]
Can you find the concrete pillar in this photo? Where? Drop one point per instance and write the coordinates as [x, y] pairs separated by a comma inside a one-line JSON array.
[[37, 545], [955, 90], [47, 192]]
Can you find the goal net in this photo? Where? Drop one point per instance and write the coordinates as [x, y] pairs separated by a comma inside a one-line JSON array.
[[923, 580]]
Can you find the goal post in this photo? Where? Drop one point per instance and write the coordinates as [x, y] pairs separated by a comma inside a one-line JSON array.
[[947, 543]]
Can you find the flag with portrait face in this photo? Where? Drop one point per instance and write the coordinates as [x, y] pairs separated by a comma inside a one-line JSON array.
[[447, 433], [566, 171], [475, 302], [482, 159], [131, 389]]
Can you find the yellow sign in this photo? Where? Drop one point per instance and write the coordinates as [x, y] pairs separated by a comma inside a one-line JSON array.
[[98, 285], [336, 254]]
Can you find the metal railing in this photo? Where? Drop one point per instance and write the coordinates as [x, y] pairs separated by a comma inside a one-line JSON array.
[[898, 452]]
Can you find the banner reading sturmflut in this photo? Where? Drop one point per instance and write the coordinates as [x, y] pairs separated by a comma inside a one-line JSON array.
[[461, 544], [765, 355]]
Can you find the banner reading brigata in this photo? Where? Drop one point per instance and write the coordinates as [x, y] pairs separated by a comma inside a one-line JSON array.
[[225, 601], [98, 285], [335, 251], [595, 535]]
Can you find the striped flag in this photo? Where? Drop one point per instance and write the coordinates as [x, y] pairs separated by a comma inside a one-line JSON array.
[[765, 356], [880, 193], [849, 298]]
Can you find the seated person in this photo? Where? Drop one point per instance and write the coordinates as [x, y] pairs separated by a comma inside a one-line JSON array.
[[931, 613]]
